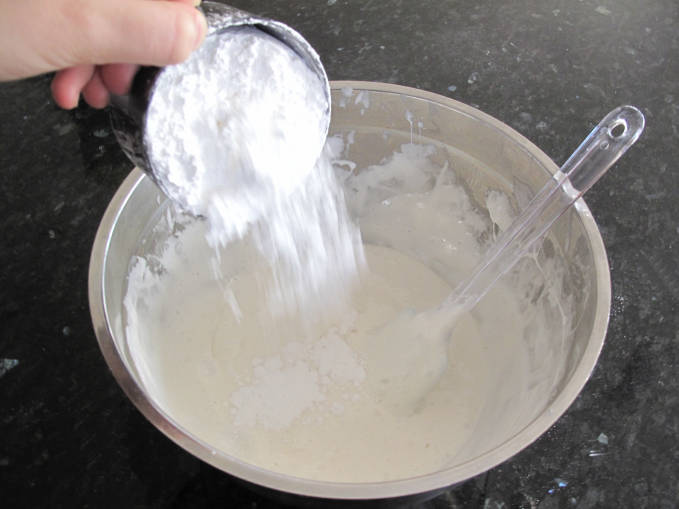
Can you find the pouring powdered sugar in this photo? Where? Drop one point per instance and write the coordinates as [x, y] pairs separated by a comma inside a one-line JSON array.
[[301, 393], [234, 134]]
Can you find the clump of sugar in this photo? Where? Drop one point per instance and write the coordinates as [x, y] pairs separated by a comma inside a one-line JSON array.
[[234, 134]]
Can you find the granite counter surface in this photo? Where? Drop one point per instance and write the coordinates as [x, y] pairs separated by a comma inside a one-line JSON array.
[[551, 69]]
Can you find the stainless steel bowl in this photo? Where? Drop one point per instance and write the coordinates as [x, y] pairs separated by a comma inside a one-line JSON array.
[[486, 154]]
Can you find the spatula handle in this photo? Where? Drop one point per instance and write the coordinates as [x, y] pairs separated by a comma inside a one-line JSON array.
[[609, 140]]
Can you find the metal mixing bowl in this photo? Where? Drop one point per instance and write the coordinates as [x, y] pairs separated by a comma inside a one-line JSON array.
[[486, 154]]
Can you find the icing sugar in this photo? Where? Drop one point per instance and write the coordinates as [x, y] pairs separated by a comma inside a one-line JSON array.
[[285, 386], [239, 124], [234, 134]]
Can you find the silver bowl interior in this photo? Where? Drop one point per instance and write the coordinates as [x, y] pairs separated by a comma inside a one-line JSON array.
[[486, 154]]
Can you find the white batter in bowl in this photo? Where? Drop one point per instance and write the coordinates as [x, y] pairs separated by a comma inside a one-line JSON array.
[[292, 405]]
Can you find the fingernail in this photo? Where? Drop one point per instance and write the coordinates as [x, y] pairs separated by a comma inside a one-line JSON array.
[[201, 28], [196, 2]]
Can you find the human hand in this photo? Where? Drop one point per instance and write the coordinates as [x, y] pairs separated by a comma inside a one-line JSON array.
[[95, 45]]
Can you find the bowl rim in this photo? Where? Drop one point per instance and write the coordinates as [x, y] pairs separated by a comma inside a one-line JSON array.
[[337, 490]]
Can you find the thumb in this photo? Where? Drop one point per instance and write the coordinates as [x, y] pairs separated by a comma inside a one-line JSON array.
[[147, 32]]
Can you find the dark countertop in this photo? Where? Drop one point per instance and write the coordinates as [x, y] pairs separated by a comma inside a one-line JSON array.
[[549, 68]]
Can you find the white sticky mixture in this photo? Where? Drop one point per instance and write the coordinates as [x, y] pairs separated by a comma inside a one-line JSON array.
[[234, 134], [307, 399]]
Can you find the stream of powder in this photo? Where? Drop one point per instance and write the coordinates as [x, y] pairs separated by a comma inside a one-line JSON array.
[[234, 134]]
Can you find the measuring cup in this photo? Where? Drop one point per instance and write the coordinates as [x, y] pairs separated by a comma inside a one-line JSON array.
[[128, 112]]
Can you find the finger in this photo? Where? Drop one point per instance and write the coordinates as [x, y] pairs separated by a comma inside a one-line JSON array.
[[149, 32], [118, 77], [95, 92], [67, 85]]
